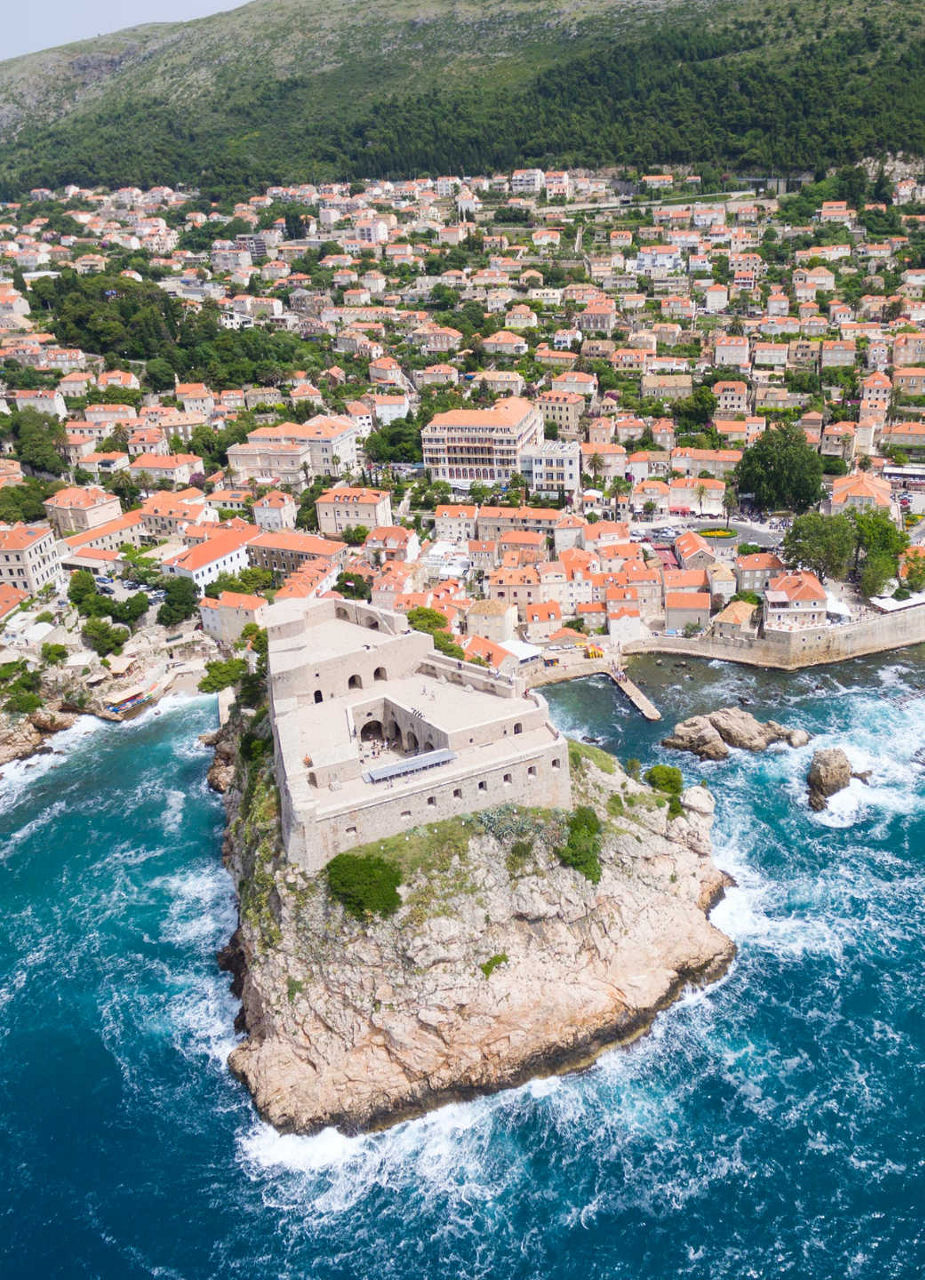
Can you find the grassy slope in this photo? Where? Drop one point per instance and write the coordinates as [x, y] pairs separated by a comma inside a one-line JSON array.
[[289, 88]]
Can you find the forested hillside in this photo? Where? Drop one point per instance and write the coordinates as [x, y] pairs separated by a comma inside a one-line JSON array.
[[763, 84]]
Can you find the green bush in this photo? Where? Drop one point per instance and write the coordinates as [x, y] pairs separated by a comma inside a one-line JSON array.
[[53, 654], [364, 884], [665, 777], [491, 964], [21, 702], [582, 849], [222, 674]]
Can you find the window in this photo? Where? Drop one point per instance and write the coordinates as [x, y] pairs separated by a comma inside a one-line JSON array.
[[432, 801], [507, 779], [531, 771], [518, 728], [319, 696], [457, 793], [557, 763], [406, 813], [483, 786], [351, 831]]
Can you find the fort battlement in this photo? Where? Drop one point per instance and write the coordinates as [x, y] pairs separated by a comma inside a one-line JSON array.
[[375, 732]]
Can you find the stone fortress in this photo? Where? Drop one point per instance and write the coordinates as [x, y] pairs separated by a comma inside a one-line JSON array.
[[376, 732]]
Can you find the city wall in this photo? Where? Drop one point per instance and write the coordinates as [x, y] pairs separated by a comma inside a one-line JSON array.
[[789, 651]]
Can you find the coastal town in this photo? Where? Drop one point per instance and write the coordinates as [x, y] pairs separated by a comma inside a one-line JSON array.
[[553, 418]]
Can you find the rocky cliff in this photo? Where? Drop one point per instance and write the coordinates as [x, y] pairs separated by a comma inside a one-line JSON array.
[[501, 962]]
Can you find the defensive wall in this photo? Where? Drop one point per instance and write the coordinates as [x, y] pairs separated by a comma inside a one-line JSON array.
[[810, 647]]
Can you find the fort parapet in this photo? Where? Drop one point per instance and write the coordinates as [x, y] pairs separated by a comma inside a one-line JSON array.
[[376, 732]]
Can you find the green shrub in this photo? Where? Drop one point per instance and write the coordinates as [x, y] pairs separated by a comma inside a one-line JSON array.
[[632, 767], [665, 777], [45, 616], [491, 964], [365, 884], [517, 855], [615, 805], [53, 654], [582, 849], [675, 808], [221, 674], [21, 702]]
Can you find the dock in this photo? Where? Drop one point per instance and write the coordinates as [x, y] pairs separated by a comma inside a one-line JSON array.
[[575, 668], [634, 693]]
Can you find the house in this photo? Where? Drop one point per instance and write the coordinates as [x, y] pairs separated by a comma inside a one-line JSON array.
[[794, 601], [75, 509], [29, 557], [455, 523], [693, 551], [226, 617], [351, 507], [754, 572], [275, 511], [862, 491], [388, 543], [289, 550], [737, 621], [224, 551], [563, 409], [685, 609], [149, 469]]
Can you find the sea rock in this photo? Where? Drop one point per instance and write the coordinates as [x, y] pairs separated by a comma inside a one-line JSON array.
[[363, 1023], [829, 773], [222, 771], [711, 736], [47, 721]]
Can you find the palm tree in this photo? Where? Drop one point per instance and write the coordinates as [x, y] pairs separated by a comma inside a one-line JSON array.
[[700, 492]]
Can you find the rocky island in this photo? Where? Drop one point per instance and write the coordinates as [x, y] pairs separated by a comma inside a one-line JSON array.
[[506, 942]]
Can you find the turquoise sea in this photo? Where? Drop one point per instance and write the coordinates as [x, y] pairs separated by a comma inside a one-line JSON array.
[[771, 1126]]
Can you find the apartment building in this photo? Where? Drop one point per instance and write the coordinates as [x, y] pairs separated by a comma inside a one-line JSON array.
[[28, 556], [481, 444]]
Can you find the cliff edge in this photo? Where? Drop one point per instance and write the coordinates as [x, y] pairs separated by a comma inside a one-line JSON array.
[[500, 963]]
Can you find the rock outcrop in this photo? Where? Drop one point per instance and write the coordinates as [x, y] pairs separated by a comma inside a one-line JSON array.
[[829, 773], [222, 770], [500, 964], [711, 736], [24, 736]]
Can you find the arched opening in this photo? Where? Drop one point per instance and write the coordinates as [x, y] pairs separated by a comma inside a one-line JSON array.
[[428, 745], [371, 731], [372, 624], [341, 612], [411, 741], [380, 674], [319, 696], [518, 728], [355, 682]]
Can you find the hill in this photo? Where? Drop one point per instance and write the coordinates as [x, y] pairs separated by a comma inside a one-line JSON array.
[[288, 89]]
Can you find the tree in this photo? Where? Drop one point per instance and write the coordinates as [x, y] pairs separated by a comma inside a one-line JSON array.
[[434, 623], [103, 637], [222, 674], [877, 534], [780, 471], [823, 544], [81, 586], [877, 571], [353, 586], [181, 603]]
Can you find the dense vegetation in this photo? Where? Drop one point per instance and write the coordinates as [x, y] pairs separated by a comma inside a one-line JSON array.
[[778, 91], [364, 884]]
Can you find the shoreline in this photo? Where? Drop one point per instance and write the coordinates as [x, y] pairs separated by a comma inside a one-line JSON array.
[[24, 736], [365, 1044]]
